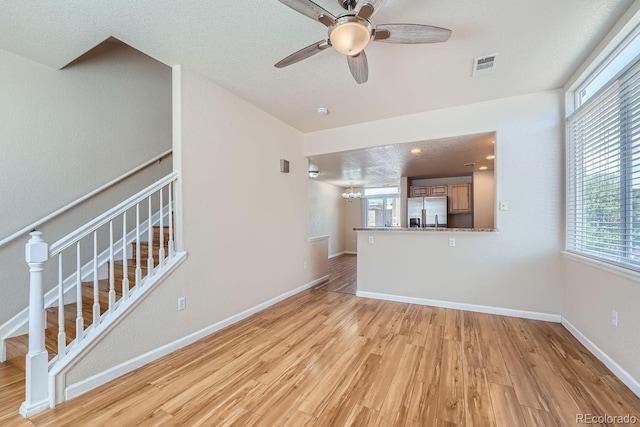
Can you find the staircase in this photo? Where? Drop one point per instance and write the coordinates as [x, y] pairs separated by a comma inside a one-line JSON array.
[[17, 347], [102, 269]]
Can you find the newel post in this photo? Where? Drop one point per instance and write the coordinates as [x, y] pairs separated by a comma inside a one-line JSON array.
[[37, 361]]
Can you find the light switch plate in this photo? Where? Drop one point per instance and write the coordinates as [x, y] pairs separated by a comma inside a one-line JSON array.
[[504, 205], [370, 239]]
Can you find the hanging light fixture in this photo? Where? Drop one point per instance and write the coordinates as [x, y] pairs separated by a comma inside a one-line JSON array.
[[351, 196]]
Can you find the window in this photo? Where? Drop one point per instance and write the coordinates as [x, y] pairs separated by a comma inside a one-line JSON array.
[[603, 172], [622, 56], [380, 209]]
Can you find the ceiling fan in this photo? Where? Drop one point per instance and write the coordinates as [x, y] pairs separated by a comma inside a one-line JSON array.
[[350, 33]]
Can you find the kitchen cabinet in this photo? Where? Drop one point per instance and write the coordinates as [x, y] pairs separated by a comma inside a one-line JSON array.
[[438, 190], [460, 198], [419, 191], [427, 191]]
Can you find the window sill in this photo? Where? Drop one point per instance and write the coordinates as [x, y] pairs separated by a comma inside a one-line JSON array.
[[626, 273]]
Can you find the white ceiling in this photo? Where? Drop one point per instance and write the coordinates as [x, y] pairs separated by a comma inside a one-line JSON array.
[[235, 43], [384, 165]]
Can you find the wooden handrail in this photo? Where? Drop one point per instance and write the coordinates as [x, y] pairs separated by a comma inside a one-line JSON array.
[[87, 196]]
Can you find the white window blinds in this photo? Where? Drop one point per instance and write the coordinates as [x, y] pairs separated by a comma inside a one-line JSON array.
[[603, 173]]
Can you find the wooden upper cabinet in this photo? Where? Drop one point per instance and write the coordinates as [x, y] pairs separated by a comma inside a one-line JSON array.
[[419, 191], [431, 190], [438, 190], [460, 198]]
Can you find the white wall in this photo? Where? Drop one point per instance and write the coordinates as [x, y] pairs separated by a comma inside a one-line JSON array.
[[484, 200], [326, 214], [519, 267], [239, 257], [63, 133]]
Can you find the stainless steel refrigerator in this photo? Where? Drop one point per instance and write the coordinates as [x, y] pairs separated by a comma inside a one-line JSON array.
[[428, 210]]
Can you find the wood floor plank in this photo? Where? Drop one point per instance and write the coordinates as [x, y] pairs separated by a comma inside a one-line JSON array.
[[478, 411], [538, 418], [506, 409], [390, 362], [451, 391], [492, 358], [327, 358], [395, 409], [453, 325]]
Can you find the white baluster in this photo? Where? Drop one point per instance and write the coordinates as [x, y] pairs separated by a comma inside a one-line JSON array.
[[125, 271], [62, 336], [37, 375], [96, 283], [138, 267], [112, 280], [79, 316], [161, 248], [171, 248], [150, 244]]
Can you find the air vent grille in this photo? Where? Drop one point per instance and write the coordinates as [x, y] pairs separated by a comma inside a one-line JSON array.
[[484, 65]]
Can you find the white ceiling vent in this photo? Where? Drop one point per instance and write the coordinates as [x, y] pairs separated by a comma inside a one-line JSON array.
[[484, 65]]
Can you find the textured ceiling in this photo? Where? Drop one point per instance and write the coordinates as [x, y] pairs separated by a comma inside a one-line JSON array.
[[235, 44], [385, 165]]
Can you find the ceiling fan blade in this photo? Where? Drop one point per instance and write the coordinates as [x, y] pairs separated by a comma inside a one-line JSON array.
[[311, 10], [359, 67], [368, 8], [412, 33], [303, 53]]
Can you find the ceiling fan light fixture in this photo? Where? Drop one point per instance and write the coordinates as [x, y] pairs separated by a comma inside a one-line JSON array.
[[350, 35]]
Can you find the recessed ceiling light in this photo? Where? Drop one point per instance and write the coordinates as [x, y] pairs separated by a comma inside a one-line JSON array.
[[322, 111], [493, 142], [483, 168], [416, 150], [491, 157]]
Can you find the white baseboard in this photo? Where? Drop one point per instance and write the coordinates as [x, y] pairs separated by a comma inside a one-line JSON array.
[[101, 378], [547, 317], [617, 370], [351, 252]]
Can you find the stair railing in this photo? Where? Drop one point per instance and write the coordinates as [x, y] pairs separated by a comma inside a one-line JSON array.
[[85, 261]]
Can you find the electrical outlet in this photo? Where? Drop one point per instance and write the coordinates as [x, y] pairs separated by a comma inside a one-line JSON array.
[[614, 318], [370, 239], [452, 242], [305, 265], [182, 303]]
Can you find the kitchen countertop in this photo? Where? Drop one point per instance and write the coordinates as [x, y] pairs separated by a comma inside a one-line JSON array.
[[427, 229]]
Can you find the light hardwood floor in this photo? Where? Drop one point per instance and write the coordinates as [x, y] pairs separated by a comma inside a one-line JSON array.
[[327, 358], [342, 275]]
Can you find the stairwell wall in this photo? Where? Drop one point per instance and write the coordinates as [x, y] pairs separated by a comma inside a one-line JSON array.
[[64, 133], [245, 224]]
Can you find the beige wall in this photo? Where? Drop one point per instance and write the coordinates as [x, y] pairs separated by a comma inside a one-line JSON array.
[[236, 260], [484, 200], [590, 295], [519, 267], [326, 214], [352, 219], [318, 257], [592, 292], [64, 133]]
